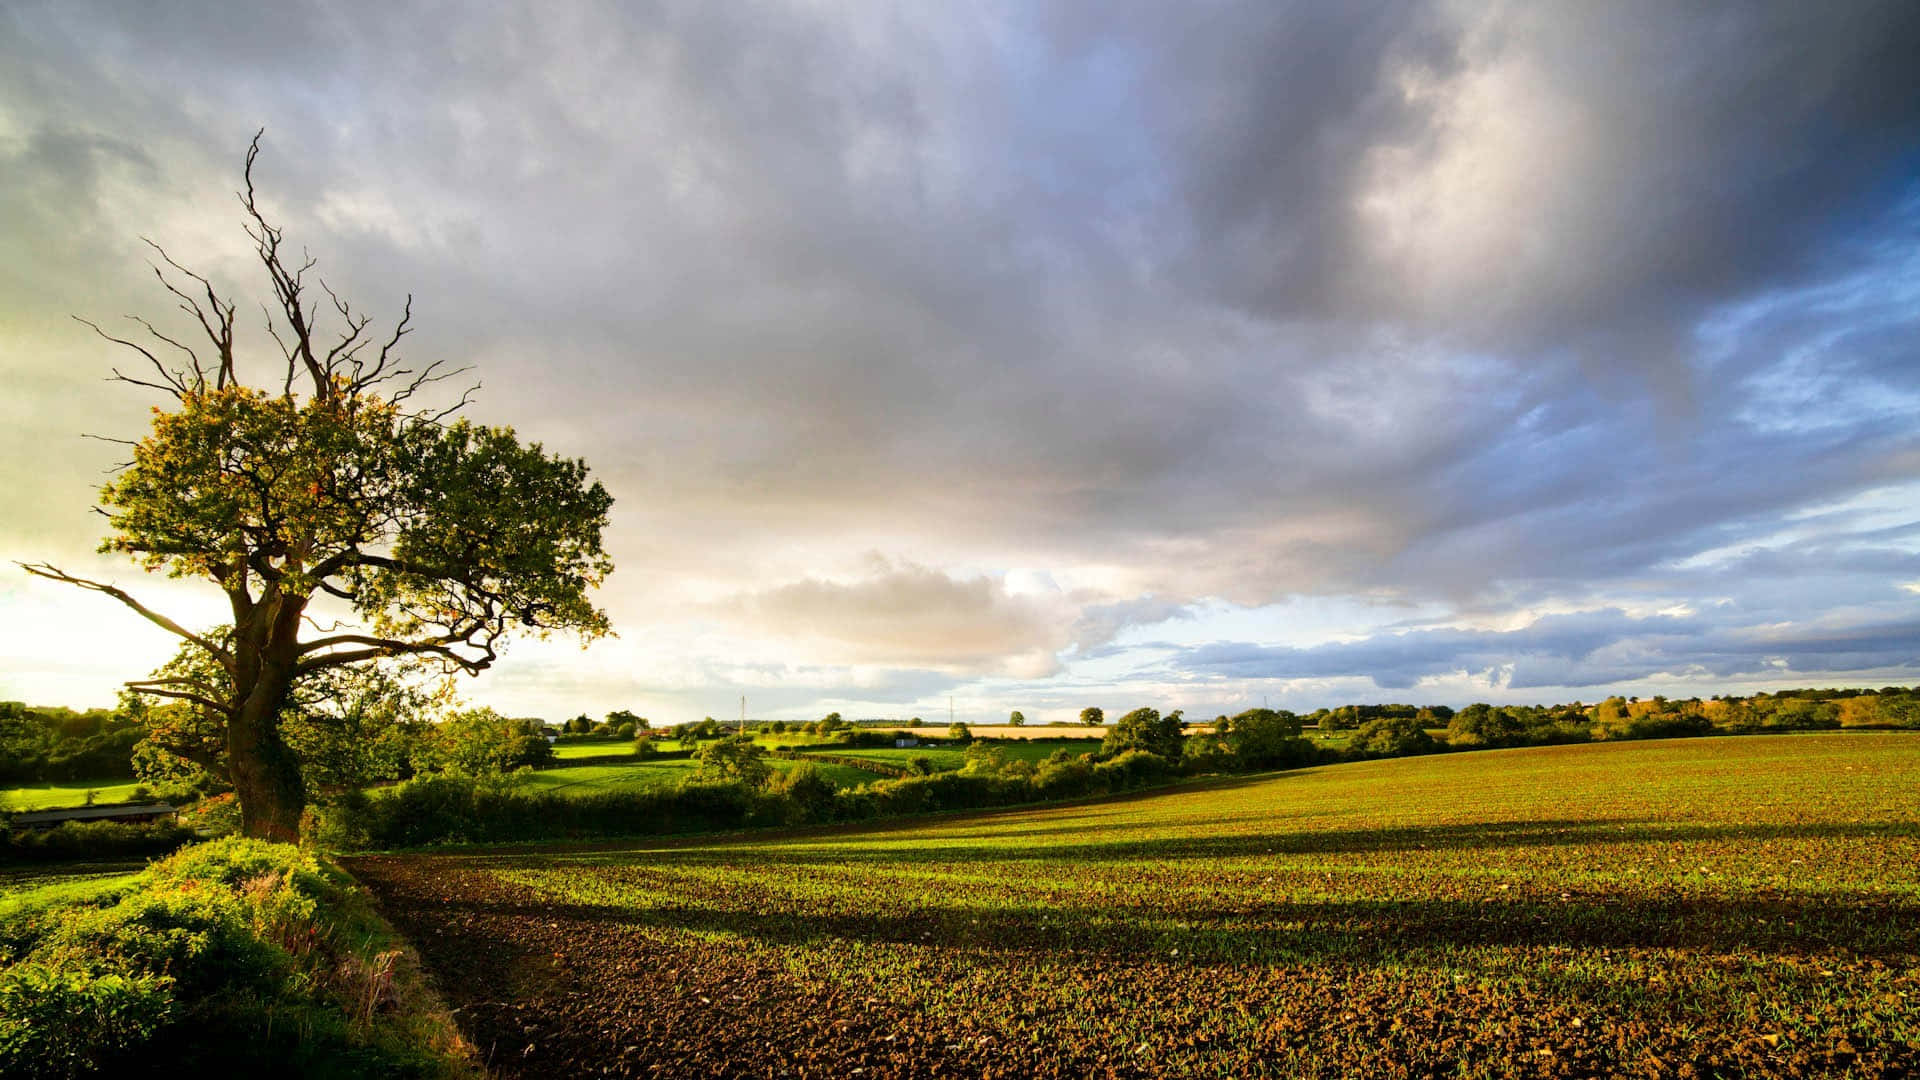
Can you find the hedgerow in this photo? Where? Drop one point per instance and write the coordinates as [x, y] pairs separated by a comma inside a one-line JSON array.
[[228, 958]]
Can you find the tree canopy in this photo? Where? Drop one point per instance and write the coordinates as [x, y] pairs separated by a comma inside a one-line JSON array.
[[326, 486], [1145, 729]]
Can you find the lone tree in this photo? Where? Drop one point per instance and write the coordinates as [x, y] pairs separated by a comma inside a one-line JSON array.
[[345, 522]]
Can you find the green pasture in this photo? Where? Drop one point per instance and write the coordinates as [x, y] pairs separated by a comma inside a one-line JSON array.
[[954, 755], [566, 750], [61, 794], [1736, 901], [641, 775], [25, 888]]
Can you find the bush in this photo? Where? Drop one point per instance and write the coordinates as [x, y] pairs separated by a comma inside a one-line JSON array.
[[450, 809], [806, 793], [60, 1021], [1135, 768], [738, 758], [234, 957], [1392, 736]]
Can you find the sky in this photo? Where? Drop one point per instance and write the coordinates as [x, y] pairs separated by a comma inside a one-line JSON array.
[[1033, 356]]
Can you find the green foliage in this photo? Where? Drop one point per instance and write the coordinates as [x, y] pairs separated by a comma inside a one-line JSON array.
[[1392, 736], [226, 959], [479, 742], [332, 477], [806, 792], [64, 1021], [984, 759], [738, 758], [50, 744], [1481, 724], [1145, 729], [1093, 716], [1017, 718], [959, 732], [1265, 739]]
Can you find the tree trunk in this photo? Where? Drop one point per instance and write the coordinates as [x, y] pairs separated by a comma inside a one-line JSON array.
[[266, 775]]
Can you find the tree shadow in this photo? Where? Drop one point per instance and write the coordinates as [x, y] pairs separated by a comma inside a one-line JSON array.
[[1472, 836], [1256, 927], [1312, 931]]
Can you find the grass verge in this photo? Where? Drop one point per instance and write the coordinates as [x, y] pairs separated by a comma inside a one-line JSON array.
[[233, 957]]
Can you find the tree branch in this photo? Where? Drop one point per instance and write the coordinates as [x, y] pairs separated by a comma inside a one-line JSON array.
[[378, 647], [164, 688], [54, 573]]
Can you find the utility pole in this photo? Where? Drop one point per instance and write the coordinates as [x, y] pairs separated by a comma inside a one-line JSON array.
[[743, 714], [949, 710]]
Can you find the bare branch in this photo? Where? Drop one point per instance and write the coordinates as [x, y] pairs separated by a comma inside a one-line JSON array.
[[221, 317], [175, 383], [54, 573]]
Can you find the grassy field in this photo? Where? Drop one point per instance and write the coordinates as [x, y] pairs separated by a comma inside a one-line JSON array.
[[1727, 906], [1009, 731], [62, 882], [565, 750], [640, 774], [951, 756], [65, 793]]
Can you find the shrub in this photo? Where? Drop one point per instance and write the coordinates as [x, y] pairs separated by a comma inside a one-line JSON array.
[[62, 1021], [1134, 768], [232, 957], [806, 792], [1392, 736], [737, 758]]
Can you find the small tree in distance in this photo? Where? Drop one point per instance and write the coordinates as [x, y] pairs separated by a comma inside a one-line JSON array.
[[323, 488], [1093, 716], [737, 757], [1017, 718]]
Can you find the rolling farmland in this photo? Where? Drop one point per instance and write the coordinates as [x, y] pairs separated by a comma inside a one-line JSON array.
[[1703, 906]]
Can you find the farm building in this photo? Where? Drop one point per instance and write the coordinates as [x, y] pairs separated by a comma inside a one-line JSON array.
[[129, 812]]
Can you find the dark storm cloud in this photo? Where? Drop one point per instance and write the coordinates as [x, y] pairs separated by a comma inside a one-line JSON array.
[[1476, 304], [1632, 164]]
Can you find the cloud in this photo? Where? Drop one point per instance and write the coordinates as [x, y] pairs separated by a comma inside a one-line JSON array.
[[1582, 649], [913, 616], [1503, 307]]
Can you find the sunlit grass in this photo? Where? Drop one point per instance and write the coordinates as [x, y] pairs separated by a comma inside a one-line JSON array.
[[65, 793]]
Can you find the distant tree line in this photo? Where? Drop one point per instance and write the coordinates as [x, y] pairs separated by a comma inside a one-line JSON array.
[[40, 745], [374, 733]]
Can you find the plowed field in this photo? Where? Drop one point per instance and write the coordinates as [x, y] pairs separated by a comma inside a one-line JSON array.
[[1709, 907]]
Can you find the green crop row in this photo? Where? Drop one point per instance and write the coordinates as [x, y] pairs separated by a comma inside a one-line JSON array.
[[1726, 906]]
